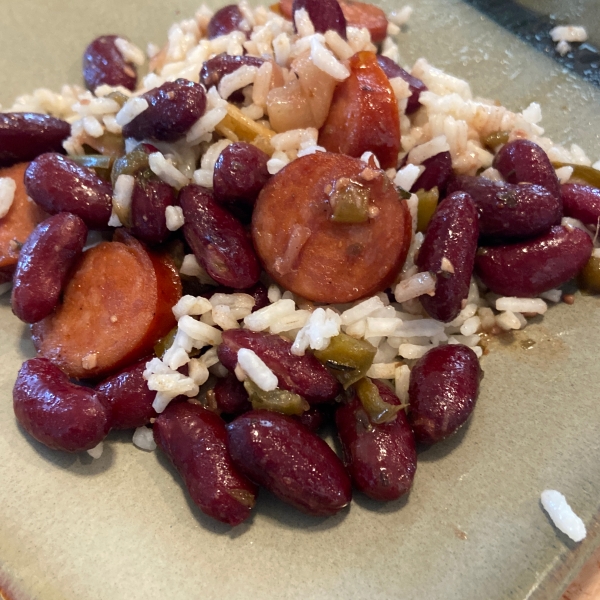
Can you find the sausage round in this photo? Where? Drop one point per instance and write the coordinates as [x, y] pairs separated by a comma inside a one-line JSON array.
[[307, 252]]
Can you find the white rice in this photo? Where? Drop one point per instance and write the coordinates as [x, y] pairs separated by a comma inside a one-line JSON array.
[[130, 52], [174, 217], [522, 305], [131, 109], [122, 193], [562, 515], [144, 439], [568, 33], [96, 451], [8, 187], [257, 370], [165, 169]]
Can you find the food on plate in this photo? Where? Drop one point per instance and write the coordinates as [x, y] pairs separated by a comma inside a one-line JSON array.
[[288, 230]]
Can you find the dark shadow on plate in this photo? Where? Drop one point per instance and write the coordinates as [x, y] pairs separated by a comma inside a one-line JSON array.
[[205, 521], [378, 506], [442, 449], [273, 508], [79, 463]]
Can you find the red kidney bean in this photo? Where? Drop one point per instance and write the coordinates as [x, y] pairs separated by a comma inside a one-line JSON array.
[[438, 170], [231, 396], [56, 412], [44, 264], [452, 235], [218, 239], [581, 202], [195, 441], [508, 211], [240, 173], [381, 459], [127, 397], [416, 86], [23, 136], [302, 375], [172, 109], [58, 184], [104, 64], [297, 466], [215, 68], [149, 202], [529, 268], [443, 389], [224, 21], [313, 419], [522, 161], [324, 14]]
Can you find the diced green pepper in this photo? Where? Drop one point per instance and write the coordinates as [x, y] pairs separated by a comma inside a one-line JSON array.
[[130, 164], [495, 139], [589, 277], [375, 406], [581, 174], [165, 342], [119, 97], [350, 201], [277, 400], [428, 201], [348, 358]]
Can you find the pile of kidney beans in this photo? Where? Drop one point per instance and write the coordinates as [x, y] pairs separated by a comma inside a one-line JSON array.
[[508, 233]]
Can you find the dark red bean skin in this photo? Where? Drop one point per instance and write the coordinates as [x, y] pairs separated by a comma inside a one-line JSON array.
[[104, 64], [172, 109], [224, 21], [527, 269], [56, 412], [443, 389], [231, 396], [215, 68], [127, 397], [195, 441], [297, 466], [58, 184], [23, 136], [313, 419], [324, 14], [381, 459], [581, 202], [44, 264], [522, 161], [240, 174], [438, 170], [218, 239], [416, 86], [303, 375], [452, 233], [149, 201], [508, 211]]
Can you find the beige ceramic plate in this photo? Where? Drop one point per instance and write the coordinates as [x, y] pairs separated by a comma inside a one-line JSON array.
[[122, 527]]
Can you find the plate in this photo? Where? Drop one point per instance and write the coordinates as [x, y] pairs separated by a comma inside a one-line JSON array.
[[122, 527]]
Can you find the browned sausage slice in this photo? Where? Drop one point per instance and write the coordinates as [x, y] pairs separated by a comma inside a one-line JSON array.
[[307, 251], [18, 223], [115, 307], [364, 114]]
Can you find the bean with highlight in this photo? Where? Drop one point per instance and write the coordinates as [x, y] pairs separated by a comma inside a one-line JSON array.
[[581, 202], [438, 170], [302, 375], [448, 252], [172, 110], [44, 264], [149, 201], [218, 239], [195, 441], [103, 64], [24, 136], [56, 412], [527, 269], [58, 184], [325, 15], [215, 68], [224, 21], [297, 466], [443, 389]]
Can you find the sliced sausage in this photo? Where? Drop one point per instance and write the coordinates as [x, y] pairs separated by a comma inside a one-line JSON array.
[[307, 252], [114, 308], [364, 114], [18, 223]]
